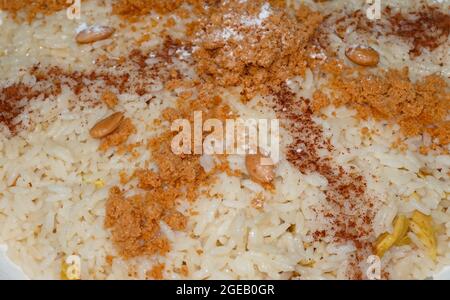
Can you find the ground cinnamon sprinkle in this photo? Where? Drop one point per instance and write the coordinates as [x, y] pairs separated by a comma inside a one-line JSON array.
[[348, 213], [426, 29], [112, 75]]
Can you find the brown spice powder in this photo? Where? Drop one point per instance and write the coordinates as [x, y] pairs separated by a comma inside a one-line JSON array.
[[426, 29], [348, 211]]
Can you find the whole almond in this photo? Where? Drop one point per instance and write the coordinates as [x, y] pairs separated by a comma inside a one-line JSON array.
[[259, 172], [363, 56], [106, 126], [94, 34]]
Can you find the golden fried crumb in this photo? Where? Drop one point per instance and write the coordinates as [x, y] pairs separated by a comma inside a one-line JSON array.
[[258, 202], [418, 107], [109, 259], [147, 179], [32, 8], [365, 131], [119, 136], [320, 100], [184, 271], [156, 272], [134, 224], [133, 9], [110, 99], [124, 179], [135, 221], [258, 55], [128, 148], [144, 7]]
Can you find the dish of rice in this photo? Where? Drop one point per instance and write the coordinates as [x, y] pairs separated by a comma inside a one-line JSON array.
[[121, 154]]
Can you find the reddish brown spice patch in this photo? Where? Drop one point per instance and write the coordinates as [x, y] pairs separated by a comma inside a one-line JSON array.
[[348, 211], [426, 29], [113, 75]]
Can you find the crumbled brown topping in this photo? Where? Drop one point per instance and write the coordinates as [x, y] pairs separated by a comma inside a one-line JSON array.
[[144, 7], [253, 44], [417, 107], [156, 272], [320, 100], [33, 7], [119, 136], [132, 9], [134, 221], [110, 99], [134, 227]]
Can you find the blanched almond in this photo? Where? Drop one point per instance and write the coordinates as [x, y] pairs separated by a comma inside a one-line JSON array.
[[106, 126], [363, 56], [94, 34], [259, 172]]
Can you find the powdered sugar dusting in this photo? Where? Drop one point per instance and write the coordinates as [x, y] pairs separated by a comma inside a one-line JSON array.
[[258, 21]]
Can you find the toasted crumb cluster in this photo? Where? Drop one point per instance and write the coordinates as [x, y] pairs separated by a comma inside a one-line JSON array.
[[253, 44], [418, 107], [118, 137], [135, 228], [156, 272], [135, 221], [34, 7], [144, 7]]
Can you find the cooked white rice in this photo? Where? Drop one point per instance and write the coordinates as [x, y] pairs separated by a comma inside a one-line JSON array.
[[55, 210]]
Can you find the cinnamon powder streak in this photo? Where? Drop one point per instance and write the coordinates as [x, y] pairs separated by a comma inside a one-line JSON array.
[[347, 215]]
